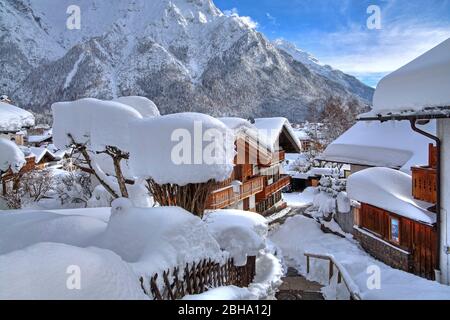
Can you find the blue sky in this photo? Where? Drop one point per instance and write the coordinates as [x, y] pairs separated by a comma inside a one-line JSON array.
[[336, 32]]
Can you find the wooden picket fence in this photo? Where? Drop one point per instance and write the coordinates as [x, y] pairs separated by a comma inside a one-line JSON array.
[[200, 277]]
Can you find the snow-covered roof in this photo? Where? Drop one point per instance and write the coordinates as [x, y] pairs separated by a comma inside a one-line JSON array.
[[10, 156], [389, 144], [389, 190], [302, 134], [420, 87], [267, 131], [13, 118], [274, 127], [38, 153], [48, 134]]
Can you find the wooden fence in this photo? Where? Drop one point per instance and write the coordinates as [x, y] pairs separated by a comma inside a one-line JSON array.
[[200, 277], [341, 271]]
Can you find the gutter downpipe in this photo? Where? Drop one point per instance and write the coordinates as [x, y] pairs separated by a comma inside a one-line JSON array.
[[438, 189]]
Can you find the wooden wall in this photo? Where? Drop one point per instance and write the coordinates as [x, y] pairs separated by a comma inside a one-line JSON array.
[[417, 238]]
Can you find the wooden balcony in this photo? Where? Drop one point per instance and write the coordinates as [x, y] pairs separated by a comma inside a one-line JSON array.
[[424, 184], [277, 157], [282, 183], [226, 197]]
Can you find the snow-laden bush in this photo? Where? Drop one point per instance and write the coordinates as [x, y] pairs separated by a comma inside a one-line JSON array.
[[74, 188], [183, 158], [98, 133], [28, 188], [330, 189]]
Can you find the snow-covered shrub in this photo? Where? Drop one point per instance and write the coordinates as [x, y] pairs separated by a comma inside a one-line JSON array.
[[74, 188], [100, 198], [98, 132], [183, 158], [28, 188], [325, 203]]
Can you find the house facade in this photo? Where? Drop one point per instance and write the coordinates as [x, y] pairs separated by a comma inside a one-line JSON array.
[[416, 94], [257, 181]]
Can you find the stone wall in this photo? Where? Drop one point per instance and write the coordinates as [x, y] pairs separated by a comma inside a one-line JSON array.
[[382, 251]]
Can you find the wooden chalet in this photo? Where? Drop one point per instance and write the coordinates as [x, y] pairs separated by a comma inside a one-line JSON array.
[[407, 244], [257, 181]]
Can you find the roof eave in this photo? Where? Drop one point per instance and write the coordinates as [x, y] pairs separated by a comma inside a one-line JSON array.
[[420, 115]]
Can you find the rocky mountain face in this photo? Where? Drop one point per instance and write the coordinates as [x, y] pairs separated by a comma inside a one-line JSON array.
[[185, 55]]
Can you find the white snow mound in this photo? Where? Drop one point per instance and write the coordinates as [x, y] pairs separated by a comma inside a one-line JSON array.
[[44, 272], [146, 107], [390, 190], [239, 232], [193, 147]]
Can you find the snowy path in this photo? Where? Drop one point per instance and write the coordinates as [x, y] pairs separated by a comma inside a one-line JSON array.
[[297, 287], [300, 234]]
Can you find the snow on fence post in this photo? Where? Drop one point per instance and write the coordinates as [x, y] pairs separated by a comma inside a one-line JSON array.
[[182, 157]]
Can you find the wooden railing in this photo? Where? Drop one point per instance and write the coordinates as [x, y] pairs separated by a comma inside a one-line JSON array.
[[226, 197], [424, 184], [342, 273], [199, 278], [277, 157], [283, 182]]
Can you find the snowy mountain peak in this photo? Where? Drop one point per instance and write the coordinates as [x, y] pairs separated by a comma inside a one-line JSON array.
[[185, 55], [295, 52]]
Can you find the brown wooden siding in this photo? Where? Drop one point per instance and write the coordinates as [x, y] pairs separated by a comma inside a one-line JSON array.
[[424, 184], [417, 238]]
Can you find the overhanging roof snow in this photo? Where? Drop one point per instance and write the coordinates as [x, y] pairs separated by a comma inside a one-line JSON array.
[[375, 144], [420, 89], [389, 190]]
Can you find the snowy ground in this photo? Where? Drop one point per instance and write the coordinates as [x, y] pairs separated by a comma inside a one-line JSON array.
[[300, 234], [112, 247], [300, 200]]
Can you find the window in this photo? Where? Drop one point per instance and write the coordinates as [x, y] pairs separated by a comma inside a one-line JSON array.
[[395, 230]]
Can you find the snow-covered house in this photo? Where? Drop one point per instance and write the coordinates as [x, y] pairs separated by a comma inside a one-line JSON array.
[[257, 180], [13, 120], [419, 92], [40, 137], [391, 224], [373, 144]]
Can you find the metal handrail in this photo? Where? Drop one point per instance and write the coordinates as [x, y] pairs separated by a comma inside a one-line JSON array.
[[342, 273]]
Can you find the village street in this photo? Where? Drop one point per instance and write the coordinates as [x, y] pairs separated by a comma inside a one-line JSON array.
[[296, 234]]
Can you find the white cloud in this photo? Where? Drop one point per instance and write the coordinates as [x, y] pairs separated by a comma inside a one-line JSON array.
[[367, 53], [272, 19], [380, 51], [245, 19]]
